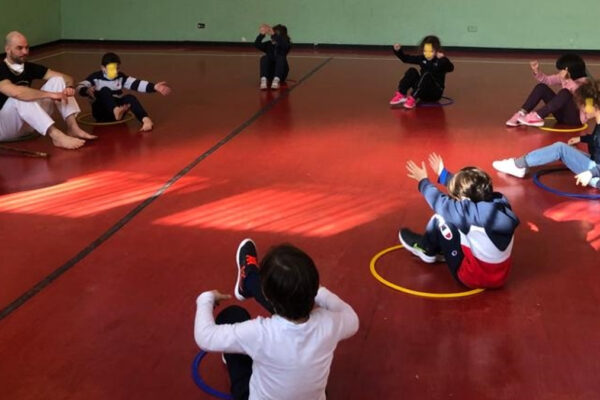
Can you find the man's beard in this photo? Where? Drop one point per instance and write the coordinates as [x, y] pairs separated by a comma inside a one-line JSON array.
[[16, 60]]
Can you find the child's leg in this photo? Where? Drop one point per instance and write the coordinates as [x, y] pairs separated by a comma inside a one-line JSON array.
[[252, 287], [444, 238], [266, 67], [540, 92], [136, 106], [562, 107], [409, 80], [574, 159], [281, 68], [427, 89], [103, 106], [239, 366]]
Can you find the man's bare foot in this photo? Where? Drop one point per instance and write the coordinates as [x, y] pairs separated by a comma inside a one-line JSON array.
[[120, 111], [147, 124], [59, 139], [77, 132]]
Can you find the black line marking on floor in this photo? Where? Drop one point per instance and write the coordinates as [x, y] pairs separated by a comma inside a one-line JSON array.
[[130, 215]]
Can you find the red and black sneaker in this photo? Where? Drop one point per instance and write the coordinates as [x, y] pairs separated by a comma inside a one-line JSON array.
[[246, 257]]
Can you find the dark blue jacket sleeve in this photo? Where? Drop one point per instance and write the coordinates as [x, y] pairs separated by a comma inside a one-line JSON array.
[[407, 58], [258, 43]]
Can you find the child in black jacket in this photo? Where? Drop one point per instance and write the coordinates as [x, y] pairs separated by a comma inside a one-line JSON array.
[[273, 65], [427, 85]]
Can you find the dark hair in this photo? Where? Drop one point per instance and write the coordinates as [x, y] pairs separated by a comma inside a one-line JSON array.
[[110, 58], [434, 41], [282, 31], [588, 90], [290, 281], [473, 183], [573, 64]]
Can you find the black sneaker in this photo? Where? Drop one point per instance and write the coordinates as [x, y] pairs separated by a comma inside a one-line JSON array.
[[411, 242], [246, 256]]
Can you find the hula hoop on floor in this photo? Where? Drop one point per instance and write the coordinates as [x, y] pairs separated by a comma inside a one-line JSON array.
[[200, 382], [410, 291], [538, 182], [22, 138], [447, 101], [564, 130], [88, 119]]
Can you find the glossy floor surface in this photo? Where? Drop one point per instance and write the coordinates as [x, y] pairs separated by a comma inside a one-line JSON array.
[[105, 249]]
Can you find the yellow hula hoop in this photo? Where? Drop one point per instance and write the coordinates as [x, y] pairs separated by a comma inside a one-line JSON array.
[[86, 120], [568, 130], [410, 291]]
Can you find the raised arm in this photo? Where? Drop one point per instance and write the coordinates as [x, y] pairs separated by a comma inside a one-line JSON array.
[[348, 320]]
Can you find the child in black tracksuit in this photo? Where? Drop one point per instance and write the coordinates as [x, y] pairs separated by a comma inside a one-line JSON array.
[[105, 88], [273, 65], [427, 85]]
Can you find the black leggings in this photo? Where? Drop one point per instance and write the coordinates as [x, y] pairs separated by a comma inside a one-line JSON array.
[[442, 237], [102, 107], [239, 366], [560, 104], [424, 86], [274, 67]]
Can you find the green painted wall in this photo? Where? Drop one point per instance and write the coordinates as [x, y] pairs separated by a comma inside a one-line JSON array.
[[498, 23], [552, 24], [39, 20]]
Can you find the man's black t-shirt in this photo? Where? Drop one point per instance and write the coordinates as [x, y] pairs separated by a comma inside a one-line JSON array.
[[32, 71]]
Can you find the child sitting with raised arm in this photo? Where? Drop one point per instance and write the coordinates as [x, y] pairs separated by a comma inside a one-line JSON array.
[[472, 228], [285, 356], [105, 89], [428, 84]]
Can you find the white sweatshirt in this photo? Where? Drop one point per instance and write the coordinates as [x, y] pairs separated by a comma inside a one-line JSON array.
[[290, 361]]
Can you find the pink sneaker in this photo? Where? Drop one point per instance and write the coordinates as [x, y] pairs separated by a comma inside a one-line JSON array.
[[532, 119], [410, 103], [398, 98], [514, 120]]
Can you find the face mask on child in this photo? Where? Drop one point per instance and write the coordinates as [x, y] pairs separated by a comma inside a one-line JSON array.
[[428, 51], [589, 106], [112, 70]]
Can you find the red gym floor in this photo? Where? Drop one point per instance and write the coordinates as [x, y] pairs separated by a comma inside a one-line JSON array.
[[105, 249]]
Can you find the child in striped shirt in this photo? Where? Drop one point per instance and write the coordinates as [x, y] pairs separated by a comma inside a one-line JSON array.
[[105, 89]]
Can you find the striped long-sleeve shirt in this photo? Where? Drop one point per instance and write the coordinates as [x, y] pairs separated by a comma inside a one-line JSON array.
[[98, 81]]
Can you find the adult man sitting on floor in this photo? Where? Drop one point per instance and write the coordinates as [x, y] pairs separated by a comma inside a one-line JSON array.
[[23, 108]]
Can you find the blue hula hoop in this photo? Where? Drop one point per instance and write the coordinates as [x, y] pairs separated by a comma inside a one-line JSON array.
[[448, 101], [536, 180], [200, 382]]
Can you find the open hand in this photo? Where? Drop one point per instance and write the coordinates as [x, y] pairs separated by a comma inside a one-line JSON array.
[[574, 140], [535, 66], [416, 173], [162, 88], [263, 29], [436, 163]]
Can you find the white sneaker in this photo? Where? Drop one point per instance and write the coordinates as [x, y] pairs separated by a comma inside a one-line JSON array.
[[509, 167], [275, 84], [263, 83]]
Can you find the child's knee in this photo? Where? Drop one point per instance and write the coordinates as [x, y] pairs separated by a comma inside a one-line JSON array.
[[232, 315]]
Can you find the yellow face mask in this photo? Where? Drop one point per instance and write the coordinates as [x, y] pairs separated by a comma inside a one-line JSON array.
[[589, 106], [112, 70], [428, 51]]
